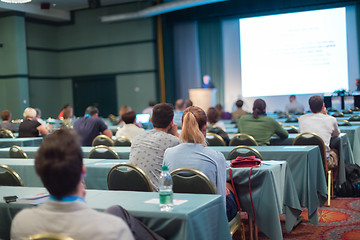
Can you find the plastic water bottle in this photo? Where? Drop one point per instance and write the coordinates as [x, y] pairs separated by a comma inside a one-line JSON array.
[[165, 190]]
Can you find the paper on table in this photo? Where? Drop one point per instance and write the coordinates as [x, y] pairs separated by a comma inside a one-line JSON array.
[[295, 147], [157, 201], [107, 163], [34, 199], [272, 162]]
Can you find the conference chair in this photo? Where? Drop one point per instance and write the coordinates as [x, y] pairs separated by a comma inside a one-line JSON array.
[[103, 152], [214, 139], [244, 151], [309, 138], [291, 120], [113, 119], [9, 177], [102, 140], [337, 114], [48, 236], [188, 180], [6, 133], [122, 141], [17, 152], [347, 111], [243, 139], [291, 129], [127, 177], [221, 133], [344, 123], [354, 118]]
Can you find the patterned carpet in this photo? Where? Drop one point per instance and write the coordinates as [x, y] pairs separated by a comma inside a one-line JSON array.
[[339, 221]]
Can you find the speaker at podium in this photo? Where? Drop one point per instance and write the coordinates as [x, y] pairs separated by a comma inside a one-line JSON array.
[[203, 97]]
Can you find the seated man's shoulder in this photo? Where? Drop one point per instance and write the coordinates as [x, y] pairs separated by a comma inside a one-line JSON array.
[[95, 224]]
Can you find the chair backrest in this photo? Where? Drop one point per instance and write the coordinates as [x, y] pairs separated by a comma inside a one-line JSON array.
[[102, 140], [244, 151], [347, 111], [213, 139], [6, 133], [49, 236], [354, 118], [291, 120], [103, 152], [344, 123], [337, 114], [309, 138], [219, 131], [187, 180], [122, 141], [125, 176], [243, 139], [9, 177], [291, 129], [17, 152]]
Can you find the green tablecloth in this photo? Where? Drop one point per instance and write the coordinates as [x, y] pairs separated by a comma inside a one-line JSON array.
[[306, 168], [273, 193], [193, 219], [272, 181], [21, 142], [123, 152], [345, 153]]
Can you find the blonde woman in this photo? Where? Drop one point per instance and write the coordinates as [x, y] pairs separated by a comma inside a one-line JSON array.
[[194, 153], [30, 127]]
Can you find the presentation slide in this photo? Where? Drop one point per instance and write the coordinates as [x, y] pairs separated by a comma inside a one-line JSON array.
[[294, 53]]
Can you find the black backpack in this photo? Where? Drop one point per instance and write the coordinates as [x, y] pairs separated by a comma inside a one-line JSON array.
[[351, 188]]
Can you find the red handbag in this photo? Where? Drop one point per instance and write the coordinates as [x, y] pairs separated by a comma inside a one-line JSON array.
[[249, 161]]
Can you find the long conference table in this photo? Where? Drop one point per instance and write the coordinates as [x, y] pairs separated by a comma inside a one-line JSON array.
[[272, 181], [21, 142], [193, 219], [307, 170], [304, 162]]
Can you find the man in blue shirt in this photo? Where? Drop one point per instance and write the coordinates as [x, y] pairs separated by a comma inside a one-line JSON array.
[[90, 126]]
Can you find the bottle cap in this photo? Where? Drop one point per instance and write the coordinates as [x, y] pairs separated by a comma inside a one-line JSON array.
[[165, 168]]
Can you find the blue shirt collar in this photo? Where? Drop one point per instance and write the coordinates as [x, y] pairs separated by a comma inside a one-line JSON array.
[[67, 198]]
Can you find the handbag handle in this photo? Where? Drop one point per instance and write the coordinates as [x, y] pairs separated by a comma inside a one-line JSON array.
[[236, 196]]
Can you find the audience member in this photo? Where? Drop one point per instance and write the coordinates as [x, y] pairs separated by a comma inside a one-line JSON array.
[[222, 114], [90, 126], [147, 149], [59, 163], [260, 126], [124, 109], [41, 121], [235, 115], [62, 111], [179, 109], [322, 124], [149, 109], [129, 130], [193, 153], [188, 103], [293, 106], [68, 116], [30, 127], [213, 116], [6, 121]]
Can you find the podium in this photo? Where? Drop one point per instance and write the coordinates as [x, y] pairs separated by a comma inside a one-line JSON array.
[[203, 97]]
